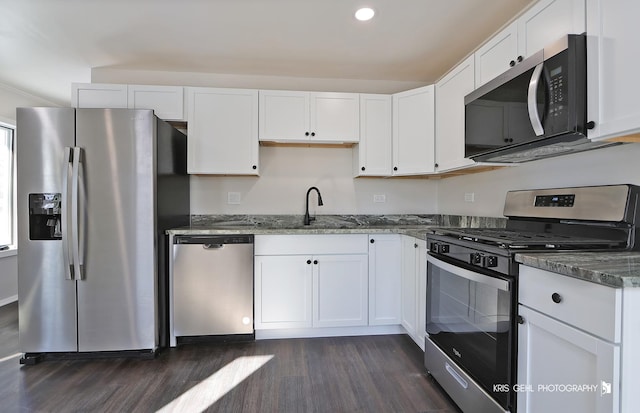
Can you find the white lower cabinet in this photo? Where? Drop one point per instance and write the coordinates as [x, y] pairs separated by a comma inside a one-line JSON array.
[[295, 288], [283, 292], [414, 287], [564, 369], [340, 290], [384, 279], [570, 344]]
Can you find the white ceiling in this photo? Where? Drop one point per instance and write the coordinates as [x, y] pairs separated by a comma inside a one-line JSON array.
[[47, 44]]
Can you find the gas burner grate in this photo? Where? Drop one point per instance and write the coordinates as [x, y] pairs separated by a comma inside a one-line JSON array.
[[510, 239]]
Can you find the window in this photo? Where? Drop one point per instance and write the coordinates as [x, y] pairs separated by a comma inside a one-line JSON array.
[[6, 185]]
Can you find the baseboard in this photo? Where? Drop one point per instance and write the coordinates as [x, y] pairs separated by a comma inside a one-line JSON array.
[[8, 300], [328, 332]]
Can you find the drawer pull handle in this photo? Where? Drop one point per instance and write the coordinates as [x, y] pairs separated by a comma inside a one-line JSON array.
[[456, 376], [557, 298]]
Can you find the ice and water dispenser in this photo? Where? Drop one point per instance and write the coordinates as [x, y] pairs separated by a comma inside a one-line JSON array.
[[45, 211]]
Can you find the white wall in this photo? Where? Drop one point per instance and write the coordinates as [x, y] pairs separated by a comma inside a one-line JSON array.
[[157, 77], [616, 165], [285, 175]]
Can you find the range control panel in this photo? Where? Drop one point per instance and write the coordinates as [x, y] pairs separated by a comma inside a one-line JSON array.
[[555, 200]]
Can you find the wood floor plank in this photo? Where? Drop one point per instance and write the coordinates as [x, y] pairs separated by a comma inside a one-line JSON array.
[[319, 375]]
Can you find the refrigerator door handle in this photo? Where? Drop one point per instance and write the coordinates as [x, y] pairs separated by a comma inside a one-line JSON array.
[[75, 189], [67, 255]]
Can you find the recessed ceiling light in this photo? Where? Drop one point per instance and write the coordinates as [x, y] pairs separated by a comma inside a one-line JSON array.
[[365, 14]]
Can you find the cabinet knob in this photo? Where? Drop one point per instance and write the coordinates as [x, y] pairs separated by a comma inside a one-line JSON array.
[[520, 59], [591, 124], [372, 240], [313, 134], [254, 167], [308, 261], [556, 297], [436, 165], [512, 63], [363, 168], [315, 262], [415, 245], [306, 134], [520, 319], [395, 168]]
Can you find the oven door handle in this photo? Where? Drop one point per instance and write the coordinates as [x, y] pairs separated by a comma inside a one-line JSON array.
[[498, 283]]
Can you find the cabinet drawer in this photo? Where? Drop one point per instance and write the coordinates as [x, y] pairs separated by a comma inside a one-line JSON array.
[[311, 244], [588, 306]]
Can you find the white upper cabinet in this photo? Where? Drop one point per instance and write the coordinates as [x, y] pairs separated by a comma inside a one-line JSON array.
[[373, 154], [450, 93], [548, 21], [495, 56], [304, 117], [541, 25], [98, 95], [613, 54], [167, 102], [414, 131], [223, 131]]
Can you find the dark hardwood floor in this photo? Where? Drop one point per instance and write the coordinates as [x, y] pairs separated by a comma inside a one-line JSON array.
[[343, 374]]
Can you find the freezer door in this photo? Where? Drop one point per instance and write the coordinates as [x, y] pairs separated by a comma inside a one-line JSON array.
[[117, 292], [46, 299]]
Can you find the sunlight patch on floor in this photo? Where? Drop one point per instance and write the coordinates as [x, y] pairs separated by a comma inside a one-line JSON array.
[[214, 387], [13, 356]]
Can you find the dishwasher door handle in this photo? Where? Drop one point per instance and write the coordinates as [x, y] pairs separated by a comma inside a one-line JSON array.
[[212, 246]]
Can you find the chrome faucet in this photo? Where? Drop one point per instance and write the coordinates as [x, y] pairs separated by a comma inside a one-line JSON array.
[[307, 218]]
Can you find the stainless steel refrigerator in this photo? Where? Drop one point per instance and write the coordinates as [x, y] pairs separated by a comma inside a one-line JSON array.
[[96, 190]]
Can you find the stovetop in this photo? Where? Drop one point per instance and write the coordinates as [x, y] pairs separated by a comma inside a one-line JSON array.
[[528, 240]]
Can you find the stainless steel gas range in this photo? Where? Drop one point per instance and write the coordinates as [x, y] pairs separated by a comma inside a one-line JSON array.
[[472, 282]]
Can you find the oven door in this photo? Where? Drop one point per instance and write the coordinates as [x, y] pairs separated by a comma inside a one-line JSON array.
[[470, 318]]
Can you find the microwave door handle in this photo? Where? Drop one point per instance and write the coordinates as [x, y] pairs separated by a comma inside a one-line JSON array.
[[532, 98]]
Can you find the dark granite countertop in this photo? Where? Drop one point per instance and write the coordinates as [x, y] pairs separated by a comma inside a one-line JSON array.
[[408, 224], [613, 269]]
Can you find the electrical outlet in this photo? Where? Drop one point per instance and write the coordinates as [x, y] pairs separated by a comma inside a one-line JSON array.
[[469, 197], [379, 198], [233, 198]]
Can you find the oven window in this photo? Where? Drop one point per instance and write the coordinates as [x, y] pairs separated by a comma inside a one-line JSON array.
[[471, 322]]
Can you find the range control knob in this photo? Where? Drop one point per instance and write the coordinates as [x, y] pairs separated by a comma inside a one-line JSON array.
[[438, 248], [490, 261], [475, 258]]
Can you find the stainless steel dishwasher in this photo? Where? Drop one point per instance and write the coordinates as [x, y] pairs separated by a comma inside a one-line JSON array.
[[213, 286]]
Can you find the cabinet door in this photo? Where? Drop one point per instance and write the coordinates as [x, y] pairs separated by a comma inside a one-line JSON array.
[[372, 155], [340, 290], [547, 21], [421, 293], [335, 117], [223, 131], [284, 116], [408, 287], [283, 292], [494, 57], [613, 54], [384, 279], [167, 102], [98, 95], [414, 131], [450, 93], [551, 353]]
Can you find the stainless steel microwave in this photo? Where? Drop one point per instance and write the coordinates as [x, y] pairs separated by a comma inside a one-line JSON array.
[[536, 109]]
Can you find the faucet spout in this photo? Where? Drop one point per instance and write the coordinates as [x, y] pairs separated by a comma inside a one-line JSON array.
[[307, 218]]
